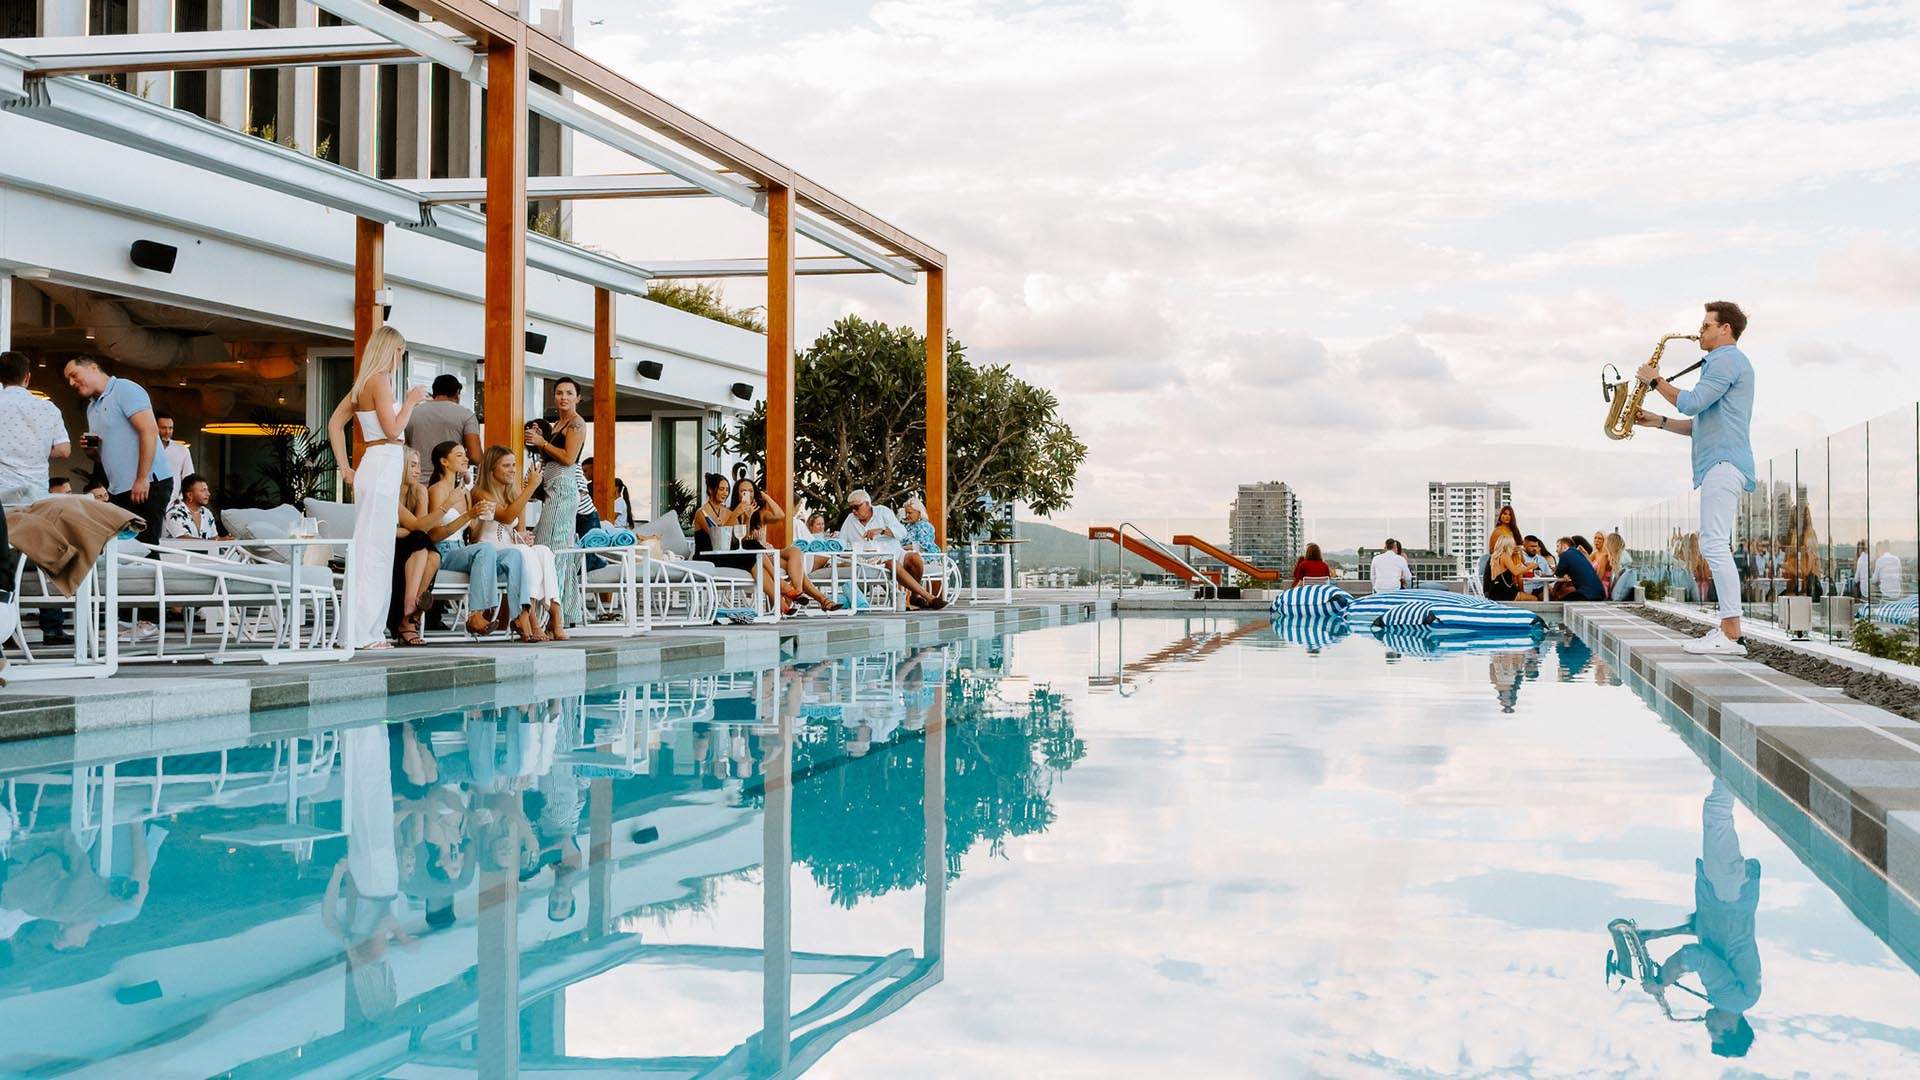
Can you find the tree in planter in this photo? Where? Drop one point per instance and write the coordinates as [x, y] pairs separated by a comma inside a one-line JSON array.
[[298, 466], [860, 421]]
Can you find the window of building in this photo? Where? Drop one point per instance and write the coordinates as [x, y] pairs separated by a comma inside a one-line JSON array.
[[17, 19], [110, 17]]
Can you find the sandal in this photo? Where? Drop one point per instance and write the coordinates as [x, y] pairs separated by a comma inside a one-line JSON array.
[[479, 624], [411, 636], [525, 631]]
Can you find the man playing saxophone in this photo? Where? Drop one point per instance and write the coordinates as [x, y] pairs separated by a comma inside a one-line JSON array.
[[1718, 415]]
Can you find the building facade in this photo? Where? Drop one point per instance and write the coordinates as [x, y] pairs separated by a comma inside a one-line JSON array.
[[1264, 526], [1460, 515], [252, 319]]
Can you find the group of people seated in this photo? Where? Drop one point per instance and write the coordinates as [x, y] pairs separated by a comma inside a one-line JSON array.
[[731, 526], [1580, 569]]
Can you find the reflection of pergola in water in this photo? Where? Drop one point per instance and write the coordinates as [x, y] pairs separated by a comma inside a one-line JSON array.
[[475, 1026]]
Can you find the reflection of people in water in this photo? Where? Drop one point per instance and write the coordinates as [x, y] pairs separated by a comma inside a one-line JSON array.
[[54, 879], [362, 898], [1505, 671], [1726, 892]]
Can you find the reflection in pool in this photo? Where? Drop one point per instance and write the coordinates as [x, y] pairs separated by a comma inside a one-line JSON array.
[[1151, 846]]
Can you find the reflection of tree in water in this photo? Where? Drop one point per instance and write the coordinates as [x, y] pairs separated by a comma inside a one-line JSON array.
[[859, 823]]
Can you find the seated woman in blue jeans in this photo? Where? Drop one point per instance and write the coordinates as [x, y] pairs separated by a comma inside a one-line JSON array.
[[488, 568]]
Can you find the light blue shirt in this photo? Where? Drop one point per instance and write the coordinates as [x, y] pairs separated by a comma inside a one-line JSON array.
[[1721, 405], [110, 416]]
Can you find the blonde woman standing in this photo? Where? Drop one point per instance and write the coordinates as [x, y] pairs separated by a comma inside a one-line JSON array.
[[376, 482]]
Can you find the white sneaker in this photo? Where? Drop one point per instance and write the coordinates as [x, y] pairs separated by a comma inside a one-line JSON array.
[[1715, 644]]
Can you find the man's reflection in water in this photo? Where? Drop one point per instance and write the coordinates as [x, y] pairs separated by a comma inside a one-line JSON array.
[[1726, 892], [362, 901]]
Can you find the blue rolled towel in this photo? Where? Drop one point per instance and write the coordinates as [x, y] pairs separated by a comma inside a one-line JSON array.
[[597, 537]]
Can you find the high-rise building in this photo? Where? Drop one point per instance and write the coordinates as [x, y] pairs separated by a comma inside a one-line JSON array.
[[1460, 515], [1264, 525]]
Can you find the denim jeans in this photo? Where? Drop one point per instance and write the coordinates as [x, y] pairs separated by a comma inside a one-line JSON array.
[[485, 568], [1720, 492]]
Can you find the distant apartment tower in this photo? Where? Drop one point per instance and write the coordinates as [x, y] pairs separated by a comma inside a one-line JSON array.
[[1460, 515], [1264, 525]]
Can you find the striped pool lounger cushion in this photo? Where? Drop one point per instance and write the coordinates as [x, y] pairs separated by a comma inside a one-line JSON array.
[[1453, 618], [1312, 600], [1312, 631], [1367, 610], [1898, 612]]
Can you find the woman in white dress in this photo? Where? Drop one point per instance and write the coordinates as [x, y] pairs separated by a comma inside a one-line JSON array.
[[376, 482], [501, 484]]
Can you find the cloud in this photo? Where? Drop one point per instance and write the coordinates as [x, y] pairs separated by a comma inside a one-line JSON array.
[[1175, 213]]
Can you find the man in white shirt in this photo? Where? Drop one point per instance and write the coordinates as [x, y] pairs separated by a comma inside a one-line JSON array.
[[178, 455], [31, 433], [1886, 573], [1862, 571], [870, 528], [1390, 570], [192, 517]]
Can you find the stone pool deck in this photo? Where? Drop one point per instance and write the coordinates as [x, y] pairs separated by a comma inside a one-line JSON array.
[[479, 673], [1853, 769]]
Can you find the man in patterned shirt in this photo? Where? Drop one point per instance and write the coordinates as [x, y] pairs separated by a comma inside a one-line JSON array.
[[192, 517], [31, 434]]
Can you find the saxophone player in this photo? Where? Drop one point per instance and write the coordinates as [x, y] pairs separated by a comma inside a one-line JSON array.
[[1717, 414]]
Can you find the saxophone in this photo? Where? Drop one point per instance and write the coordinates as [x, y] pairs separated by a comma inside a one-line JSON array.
[[1624, 401]]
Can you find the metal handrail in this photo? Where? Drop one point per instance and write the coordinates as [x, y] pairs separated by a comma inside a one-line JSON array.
[[1206, 582]]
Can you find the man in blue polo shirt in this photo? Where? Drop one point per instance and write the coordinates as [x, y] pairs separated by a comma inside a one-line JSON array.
[[1719, 419], [126, 442]]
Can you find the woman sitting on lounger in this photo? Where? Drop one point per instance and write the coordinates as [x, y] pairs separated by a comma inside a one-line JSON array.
[[451, 509], [415, 558], [501, 484]]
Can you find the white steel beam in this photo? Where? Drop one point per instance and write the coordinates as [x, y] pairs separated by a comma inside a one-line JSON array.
[[611, 186], [99, 110], [618, 136], [811, 266], [873, 258], [202, 49], [467, 228], [431, 40]]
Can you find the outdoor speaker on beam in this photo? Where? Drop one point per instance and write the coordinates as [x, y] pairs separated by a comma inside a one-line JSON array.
[[153, 255], [651, 369], [743, 391], [536, 343]]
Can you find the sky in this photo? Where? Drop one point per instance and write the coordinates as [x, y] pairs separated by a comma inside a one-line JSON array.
[[1351, 246]]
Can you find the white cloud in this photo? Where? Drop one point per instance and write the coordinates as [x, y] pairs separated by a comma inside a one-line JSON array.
[[1163, 209]]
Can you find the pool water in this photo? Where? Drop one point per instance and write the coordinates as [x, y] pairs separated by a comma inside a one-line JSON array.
[[1154, 847]]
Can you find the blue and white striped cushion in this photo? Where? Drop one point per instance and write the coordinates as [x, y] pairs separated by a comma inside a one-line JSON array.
[[1313, 631], [1366, 610], [1321, 599], [1898, 612], [1407, 641], [1452, 616]]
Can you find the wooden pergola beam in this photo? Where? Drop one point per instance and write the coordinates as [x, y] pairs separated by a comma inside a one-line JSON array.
[[506, 271], [606, 408], [937, 403], [780, 415]]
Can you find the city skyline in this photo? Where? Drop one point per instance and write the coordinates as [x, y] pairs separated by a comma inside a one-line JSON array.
[[1374, 315]]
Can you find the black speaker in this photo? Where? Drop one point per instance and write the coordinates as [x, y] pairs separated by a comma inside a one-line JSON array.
[[536, 343], [154, 255], [651, 369], [743, 391]]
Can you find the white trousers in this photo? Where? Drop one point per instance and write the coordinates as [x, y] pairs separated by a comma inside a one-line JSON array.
[[376, 517], [1720, 845], [543, 573], [1720, 492]]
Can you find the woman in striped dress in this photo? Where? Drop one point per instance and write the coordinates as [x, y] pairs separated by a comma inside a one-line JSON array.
[[561, 482]]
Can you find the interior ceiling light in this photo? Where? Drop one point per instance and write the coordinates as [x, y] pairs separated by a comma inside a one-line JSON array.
[[248, 428]]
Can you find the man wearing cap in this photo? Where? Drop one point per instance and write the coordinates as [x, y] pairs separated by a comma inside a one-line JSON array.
[[869, 527], [444, 419]]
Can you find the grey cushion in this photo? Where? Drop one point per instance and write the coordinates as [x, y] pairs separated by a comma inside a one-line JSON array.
[[672, 537], [336, 519], [242, 524], [181, 580]]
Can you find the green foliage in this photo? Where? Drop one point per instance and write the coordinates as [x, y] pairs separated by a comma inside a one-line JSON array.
[[681, 501], [1656, 588], [1899, 645], [703, 298], [860, 416], [298, 465]]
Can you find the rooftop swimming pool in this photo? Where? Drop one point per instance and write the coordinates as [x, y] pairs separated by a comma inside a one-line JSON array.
[[1150, 847]]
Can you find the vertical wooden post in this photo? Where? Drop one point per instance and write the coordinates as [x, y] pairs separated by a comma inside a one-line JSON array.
[[506, 289], [369, 277], [779, 479], [937, 402], [606, 414]]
